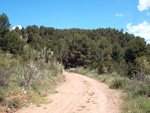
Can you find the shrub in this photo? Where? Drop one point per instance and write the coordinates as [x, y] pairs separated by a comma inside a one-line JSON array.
[[2, 94], [15, 103], [119, 83], [102, 69], [136, 105], [4, 75], [141, 89], [31, 74], [82, 70]]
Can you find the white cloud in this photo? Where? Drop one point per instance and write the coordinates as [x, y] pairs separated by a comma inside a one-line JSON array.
[[143, 5], [13, 28], [117, 14], [142, 29]]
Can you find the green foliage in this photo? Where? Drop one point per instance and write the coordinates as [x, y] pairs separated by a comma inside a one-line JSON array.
[[107, 50], [9, 41], [15, 103], [14, 44], [40, 69], [83, 71], [143, 67], [102, 69], [117, 53], [4, 29], [136, 105], [141, 90], [135, 93], [136, 48], [30, 37], [32, 56], [4, 76], [4, 25], [119, 83], [76, 47], [2, 94]]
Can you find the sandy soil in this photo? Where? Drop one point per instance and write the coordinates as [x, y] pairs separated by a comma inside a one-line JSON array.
[[79, 94]]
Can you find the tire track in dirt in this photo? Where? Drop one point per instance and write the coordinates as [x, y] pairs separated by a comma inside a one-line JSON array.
[[79, 94]]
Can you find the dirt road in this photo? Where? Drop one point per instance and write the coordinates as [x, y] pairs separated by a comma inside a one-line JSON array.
[[79, 94]]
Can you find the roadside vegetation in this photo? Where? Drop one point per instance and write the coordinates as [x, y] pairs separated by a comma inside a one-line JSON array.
[[136, 93], [32, 58], [27, 75], [26, 82]]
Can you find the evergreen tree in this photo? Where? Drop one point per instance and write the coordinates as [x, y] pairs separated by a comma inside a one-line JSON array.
[[136, 48], [14, 44], [4, 30], [117, 53]]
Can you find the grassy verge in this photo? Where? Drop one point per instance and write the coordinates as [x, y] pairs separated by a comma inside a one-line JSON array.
[[26, 82], [136, 93], [16, 97]]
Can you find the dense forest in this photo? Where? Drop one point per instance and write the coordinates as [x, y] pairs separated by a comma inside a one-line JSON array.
[[31, 59], [107, 50]]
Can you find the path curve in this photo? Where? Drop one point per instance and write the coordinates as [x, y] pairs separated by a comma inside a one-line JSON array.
[[79, 94]]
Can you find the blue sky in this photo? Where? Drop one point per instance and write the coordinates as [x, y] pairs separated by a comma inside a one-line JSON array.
[[131, 15]]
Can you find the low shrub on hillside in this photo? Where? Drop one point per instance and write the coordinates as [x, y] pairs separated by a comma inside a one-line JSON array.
[[137, 93], [140, 104], [136, 99], [32, 78], [4, 76], [119, 83], [83, 71]]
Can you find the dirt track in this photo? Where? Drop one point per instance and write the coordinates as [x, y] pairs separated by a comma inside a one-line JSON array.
[[79, 94]]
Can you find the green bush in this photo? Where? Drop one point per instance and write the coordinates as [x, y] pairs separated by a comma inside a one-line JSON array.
[[83, 71], [138, 104], [31, 78], [15, 103], [4, 76], [142, 90], [119, 83], [2, 94], [79, 70]]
